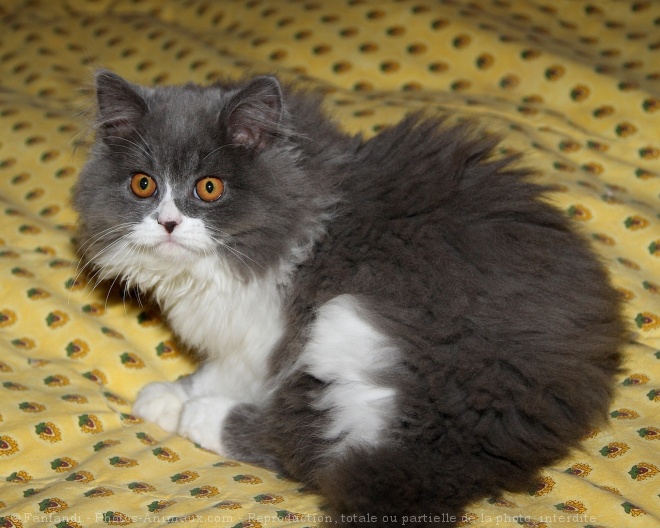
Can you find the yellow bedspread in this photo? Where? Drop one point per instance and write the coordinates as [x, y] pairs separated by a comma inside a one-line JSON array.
[[574, 84]]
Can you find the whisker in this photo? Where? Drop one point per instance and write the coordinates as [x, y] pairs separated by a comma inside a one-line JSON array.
[[216, 150], [141, 251], [237, 253], [98, 254], [89, 242], [219, 231], [82, 270], [120, 275], [140, 148], [101, 277], [224, 243], [146, 144], [131, 265], [107, 297], [103, 233], [129, 151]]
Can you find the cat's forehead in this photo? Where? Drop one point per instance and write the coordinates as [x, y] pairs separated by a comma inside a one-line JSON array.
[[183, 123], [187, 105]]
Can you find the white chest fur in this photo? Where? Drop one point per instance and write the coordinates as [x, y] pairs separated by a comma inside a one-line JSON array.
[[233, 324], [230, 322]]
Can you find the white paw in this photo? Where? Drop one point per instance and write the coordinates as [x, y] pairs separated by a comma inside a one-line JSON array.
[[160, 403], [202, 421]]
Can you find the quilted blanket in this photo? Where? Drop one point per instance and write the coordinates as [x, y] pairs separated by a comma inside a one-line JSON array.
[[575, 85]]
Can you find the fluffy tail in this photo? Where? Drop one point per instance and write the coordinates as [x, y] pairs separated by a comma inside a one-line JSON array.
[[387, 488]]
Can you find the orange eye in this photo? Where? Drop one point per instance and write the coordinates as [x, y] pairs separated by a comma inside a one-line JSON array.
[[143, 185], [209, 189]]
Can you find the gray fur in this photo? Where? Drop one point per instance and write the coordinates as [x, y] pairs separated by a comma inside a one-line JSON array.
[[509, 330]]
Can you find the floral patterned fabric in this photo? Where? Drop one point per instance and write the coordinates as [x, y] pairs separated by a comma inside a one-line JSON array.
[[573, 84]]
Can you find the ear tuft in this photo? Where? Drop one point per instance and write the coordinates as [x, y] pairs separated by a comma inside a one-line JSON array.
[[120, 105], [254, 113]]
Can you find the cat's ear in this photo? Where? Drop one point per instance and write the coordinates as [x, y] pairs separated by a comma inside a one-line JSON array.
[[120, 106], [253, 115]]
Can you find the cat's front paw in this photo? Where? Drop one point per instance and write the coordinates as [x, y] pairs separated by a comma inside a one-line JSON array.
[[160, 403], [202, 421]]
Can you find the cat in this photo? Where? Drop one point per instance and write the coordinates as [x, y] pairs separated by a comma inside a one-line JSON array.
[[402, 323]]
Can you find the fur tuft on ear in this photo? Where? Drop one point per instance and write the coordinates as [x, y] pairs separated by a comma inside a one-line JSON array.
[[254, 113], [119, 103]]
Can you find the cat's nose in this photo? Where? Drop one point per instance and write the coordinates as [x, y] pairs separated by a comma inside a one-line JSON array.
[[169, 226], [167, 214]]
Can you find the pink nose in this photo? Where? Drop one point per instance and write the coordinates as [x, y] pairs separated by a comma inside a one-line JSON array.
[[169, 226]]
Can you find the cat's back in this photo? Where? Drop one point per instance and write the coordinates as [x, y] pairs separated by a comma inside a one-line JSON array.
[[500, 311], [442, 230], [415, 201]]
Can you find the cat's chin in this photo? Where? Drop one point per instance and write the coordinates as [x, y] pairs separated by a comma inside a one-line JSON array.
[[174, 250]]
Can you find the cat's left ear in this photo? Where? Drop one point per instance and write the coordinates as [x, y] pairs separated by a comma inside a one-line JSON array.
[[253, 115], [120, 106]]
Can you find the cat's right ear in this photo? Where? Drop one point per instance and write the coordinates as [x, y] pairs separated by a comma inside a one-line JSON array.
[[120, 106], [253, 115]]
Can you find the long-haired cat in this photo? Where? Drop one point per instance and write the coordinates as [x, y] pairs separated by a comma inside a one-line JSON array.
[[401, 323]]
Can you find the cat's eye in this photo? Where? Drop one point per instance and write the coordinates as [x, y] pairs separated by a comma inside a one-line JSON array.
[[143, 185], [209, 189]]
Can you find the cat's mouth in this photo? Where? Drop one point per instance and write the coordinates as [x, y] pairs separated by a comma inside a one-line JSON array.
[[180, 248], [173, 247], [181, 243]]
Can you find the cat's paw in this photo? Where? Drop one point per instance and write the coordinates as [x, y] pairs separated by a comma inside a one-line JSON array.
[[160, 403], [202, 421]]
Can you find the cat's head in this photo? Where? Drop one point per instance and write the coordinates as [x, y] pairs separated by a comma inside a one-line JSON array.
[[184, 173]]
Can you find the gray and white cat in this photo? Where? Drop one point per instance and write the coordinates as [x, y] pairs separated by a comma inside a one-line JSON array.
[[401, 323]]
